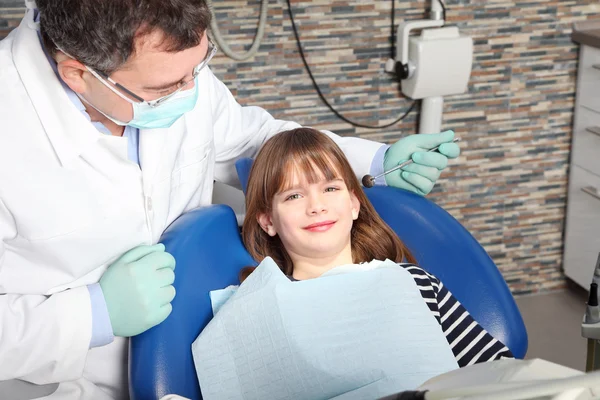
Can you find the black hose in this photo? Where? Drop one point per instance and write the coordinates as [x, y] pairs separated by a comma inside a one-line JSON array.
[[316, 86]]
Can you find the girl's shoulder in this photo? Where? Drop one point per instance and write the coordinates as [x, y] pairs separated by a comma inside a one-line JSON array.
[[421, 276]]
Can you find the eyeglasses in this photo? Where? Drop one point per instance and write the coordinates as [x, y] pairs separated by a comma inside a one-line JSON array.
[[117, 88]]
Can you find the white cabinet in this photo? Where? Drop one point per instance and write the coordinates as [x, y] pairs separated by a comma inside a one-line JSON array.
[[585, 145], [582, 228], [582, 239], [588, 80]]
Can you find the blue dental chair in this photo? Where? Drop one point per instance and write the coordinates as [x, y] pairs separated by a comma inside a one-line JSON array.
[[209, 253]]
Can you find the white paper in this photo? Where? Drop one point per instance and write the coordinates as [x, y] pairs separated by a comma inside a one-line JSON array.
[[358, 335]]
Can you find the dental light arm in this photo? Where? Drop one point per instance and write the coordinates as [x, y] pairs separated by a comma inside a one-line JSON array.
[[431, 65], [437, 11], [403, 67]]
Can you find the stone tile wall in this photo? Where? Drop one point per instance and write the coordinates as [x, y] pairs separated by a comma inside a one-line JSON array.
[[11, 12], [509, 185]]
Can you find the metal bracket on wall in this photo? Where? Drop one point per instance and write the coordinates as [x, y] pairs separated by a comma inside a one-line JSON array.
[[593, 129], [592, 191]]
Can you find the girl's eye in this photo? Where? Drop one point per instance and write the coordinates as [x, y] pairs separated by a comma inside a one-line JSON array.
[[331, 189], [292, 197]]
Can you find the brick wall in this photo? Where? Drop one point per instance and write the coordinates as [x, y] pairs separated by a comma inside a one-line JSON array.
[[508, 187], [10, 14]]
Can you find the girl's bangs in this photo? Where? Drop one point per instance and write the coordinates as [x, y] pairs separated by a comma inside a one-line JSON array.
[[310, 167]]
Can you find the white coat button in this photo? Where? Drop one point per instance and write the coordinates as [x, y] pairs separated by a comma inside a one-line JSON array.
[[149, 203]]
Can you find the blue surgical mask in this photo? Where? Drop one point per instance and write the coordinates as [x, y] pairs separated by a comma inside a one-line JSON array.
[[165, 115], [145, 116]]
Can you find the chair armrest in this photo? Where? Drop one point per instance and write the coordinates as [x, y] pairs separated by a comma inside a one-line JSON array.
[[209, 253]]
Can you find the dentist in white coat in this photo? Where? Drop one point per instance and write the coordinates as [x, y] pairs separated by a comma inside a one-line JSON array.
[[111, 127]]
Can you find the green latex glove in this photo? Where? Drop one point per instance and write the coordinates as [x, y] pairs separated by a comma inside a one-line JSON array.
[[421, 175], [138, 289]]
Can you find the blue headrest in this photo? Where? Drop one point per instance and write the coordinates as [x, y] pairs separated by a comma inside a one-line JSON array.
[[243, 166]]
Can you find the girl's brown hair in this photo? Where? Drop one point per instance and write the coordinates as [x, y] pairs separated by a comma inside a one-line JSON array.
[[314, 155]]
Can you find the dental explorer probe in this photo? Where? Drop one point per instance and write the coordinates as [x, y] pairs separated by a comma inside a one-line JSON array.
[[368, 181]]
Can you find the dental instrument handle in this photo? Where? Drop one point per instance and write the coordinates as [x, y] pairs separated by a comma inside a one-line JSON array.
[[593, 299], [369, 180], [592, 311]]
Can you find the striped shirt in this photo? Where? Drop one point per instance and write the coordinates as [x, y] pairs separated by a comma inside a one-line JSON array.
[[470, 343]]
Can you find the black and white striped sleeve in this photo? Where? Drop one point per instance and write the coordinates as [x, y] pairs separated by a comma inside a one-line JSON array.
[[470, 343]]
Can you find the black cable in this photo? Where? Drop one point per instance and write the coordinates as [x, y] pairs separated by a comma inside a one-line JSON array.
[[393, 33], [443, 10], [316, 86], [407, 395]]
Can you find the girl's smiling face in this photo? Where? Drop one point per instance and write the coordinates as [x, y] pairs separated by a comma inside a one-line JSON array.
[[313, 216]]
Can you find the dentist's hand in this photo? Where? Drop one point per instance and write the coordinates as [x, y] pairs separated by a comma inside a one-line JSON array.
[[138, 289], [421, 175]]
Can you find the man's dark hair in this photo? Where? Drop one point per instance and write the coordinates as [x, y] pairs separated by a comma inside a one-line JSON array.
[[101, 33]]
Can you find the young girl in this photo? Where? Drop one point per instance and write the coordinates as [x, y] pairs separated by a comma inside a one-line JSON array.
[[307, 211]]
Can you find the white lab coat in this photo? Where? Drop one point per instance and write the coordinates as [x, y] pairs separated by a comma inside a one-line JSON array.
[[71, 203]]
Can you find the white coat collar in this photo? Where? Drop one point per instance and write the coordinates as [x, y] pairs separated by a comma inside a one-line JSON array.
[[69, 132]]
